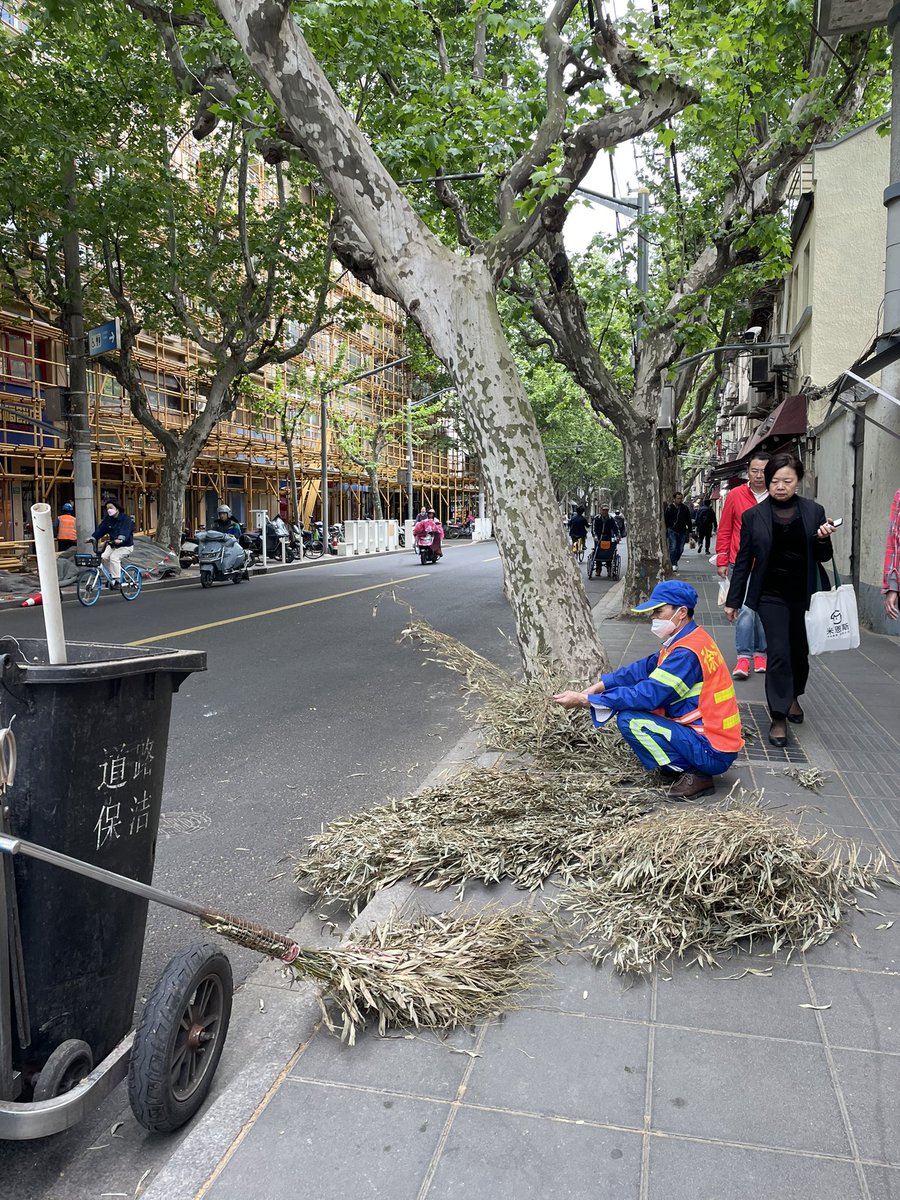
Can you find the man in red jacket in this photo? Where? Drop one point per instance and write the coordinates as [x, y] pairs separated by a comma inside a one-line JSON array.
[[750, 640]]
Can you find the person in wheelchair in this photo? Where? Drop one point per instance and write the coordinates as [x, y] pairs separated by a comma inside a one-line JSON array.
[[606, 540]]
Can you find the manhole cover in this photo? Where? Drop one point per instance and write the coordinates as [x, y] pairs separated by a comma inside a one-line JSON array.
[[755, 722], [183, 822]]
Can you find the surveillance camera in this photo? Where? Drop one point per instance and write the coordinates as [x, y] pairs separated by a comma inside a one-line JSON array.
[[752, 334]]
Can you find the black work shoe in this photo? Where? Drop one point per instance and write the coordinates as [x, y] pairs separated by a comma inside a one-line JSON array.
[[690, 787]]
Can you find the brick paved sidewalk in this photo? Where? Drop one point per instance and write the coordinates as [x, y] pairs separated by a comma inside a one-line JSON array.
[[695, 1085]]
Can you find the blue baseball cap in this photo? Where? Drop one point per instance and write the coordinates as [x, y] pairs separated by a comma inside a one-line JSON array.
[[670, 591]]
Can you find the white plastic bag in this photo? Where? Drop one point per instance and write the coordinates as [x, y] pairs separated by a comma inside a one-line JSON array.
[[723, 592], [832, 622]]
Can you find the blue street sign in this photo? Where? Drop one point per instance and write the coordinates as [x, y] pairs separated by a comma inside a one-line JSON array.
[[104, 338]]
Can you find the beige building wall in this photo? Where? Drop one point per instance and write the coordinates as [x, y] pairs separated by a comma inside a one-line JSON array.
[[837, 277], [832, 311]]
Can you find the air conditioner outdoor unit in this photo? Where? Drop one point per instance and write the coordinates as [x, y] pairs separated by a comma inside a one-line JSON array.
[[760, 370]]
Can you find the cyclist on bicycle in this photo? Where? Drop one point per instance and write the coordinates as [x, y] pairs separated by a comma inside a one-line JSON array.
[[578, 526], [118, 528]]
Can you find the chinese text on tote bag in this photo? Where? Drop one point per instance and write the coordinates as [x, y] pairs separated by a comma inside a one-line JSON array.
[[832, 622]]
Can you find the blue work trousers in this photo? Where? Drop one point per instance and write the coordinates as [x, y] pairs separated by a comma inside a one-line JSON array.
[[661, 743]]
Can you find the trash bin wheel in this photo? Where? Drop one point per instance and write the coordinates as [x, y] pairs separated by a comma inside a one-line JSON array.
[[66, 1067], [179, 1038]]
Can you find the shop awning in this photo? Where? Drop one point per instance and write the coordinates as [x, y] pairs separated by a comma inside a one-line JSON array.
[[783, 424]]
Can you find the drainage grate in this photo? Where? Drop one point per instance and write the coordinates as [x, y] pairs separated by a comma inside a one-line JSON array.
[[755, 722], [183, 822]]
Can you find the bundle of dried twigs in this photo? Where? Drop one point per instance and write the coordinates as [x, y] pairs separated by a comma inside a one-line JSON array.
[[519, 716], [432, 972], [487, 824], [700, 882]]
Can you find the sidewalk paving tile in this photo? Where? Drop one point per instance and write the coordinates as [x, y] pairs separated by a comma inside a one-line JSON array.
[[864, 1013], [412, 1063], [561, 1065], [696, 1170], [578, 986], [716, 1000], [332, 1143], [884, 1183], [746, 1089], [871, 1087], [505, 1156]]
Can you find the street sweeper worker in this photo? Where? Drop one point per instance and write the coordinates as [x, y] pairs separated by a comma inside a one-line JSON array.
[[676, 708]]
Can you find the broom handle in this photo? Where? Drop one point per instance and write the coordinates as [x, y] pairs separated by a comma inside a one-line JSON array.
[[16, 845]]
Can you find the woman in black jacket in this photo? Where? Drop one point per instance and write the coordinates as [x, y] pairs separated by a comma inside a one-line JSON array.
[[782, 542]]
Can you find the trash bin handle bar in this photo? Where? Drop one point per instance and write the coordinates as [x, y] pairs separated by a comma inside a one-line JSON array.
[[15, 845], [245, 933]]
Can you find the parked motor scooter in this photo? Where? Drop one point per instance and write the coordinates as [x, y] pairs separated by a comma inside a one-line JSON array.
[[222, 558], [277, 534], [188, 553]]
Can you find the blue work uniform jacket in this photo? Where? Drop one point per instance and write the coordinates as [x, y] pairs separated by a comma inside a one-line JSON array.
[[646, 687]]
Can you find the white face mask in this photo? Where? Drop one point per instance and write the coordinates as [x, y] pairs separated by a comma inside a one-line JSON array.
[[662, 629]]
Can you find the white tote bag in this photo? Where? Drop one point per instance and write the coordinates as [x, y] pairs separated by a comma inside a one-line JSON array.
[[832, 622]]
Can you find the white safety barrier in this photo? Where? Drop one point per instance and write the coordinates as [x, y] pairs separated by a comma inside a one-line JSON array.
[[483, 529]]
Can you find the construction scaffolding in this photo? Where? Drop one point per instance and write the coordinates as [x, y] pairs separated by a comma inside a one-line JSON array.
[[244, 462]]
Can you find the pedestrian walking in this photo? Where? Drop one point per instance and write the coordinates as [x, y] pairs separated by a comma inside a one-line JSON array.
[[676, 708], [890, 585], [677, 518], [64, 528], [705, 524], [749, 635], [775, 574]]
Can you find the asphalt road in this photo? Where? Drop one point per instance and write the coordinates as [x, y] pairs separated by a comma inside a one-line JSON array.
[[310, 708]]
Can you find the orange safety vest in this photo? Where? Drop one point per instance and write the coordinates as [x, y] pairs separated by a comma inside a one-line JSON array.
[[66, 531], [716, 715]]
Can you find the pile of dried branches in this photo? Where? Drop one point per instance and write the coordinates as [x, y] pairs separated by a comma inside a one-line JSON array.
[[487, 824], [520, 717], [432, 972], [700, 882]]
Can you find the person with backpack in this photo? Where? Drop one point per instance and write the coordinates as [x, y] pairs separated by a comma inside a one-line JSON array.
[[706, 525]]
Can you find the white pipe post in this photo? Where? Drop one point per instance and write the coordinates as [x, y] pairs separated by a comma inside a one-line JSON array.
[[42, 525]]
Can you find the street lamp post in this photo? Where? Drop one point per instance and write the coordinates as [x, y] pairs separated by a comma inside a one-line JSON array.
[[323, 427]]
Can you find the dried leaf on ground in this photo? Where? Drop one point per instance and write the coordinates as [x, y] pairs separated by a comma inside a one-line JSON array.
[[808, 777]]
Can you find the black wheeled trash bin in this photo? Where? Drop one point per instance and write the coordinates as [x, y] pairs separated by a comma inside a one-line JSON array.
[[91, 737]]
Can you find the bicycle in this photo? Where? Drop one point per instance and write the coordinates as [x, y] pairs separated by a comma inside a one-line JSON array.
[[578, 549], [95, 577]]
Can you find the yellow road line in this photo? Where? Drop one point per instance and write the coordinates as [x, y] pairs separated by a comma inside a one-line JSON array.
[[268, 612]]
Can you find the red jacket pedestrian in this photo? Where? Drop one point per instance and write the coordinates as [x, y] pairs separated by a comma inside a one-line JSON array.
[[738, 500]]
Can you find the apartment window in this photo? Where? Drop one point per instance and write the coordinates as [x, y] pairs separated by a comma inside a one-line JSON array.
[[18, 363]]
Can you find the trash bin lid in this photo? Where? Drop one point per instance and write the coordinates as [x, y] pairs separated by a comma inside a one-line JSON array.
[[24, 661]]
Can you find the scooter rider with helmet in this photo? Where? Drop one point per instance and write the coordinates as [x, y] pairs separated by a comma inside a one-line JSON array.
[[225, 522]]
